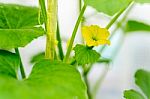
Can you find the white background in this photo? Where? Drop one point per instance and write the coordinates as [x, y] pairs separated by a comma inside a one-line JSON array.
[[134, 54]]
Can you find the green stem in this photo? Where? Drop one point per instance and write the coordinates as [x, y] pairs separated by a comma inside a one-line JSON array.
[[86, 71], [88, 87], [61, 54], [74, 34], [104, 61], [51, 29], [82, 21], [80, 5], [118, 25], [85, 76], [21, 65], [116, 17], [43, 10]]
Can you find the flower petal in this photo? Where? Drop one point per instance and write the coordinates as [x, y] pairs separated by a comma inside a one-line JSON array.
[[94, 35]]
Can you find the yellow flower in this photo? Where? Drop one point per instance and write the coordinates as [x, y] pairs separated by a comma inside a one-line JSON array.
[[94, 35]]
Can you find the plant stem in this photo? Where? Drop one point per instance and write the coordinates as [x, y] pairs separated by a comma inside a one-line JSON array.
[[43, 10], [61, 54], [88, 87], [104, 61], [80, 5], [86, 71], [21, 65], [74, 34], [51, 29], [116, 17], [118, 25]]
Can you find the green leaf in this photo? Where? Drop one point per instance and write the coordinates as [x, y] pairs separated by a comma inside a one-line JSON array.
[[17, 25], [131, 94], [37, 57], [14, 38], [136, 26], [142, 79], [57, 73], [9, 63], [85, 55], [109, 7], [143, 1], [17, 16], [47, 81]]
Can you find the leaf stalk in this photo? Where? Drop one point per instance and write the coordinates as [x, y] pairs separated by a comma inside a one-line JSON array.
[[74, 33]]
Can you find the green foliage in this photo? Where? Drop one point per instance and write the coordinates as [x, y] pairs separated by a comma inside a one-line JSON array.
[[37, 57], [131, 94], [17, 25], [9, 63], [142, 79], [143, 1], [85, 55], [14, 38], [47, 81], [136, 26], [109, 7]]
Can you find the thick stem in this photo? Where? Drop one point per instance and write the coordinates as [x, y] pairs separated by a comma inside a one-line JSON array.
[[74, 34], [51, 29], [21, 65]]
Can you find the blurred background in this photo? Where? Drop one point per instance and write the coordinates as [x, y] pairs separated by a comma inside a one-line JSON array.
[[133, 54]]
